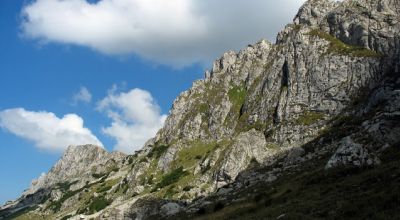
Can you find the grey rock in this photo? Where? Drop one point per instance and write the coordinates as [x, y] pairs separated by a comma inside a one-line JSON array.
[[254, 108], [170, 208], [246, 146], [350, 153]]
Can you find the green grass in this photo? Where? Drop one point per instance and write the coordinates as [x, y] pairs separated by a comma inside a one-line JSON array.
[[309, 118], [237, 96], [103, 189], [339, 47], [130, 160], [143, 160], [190, 156], [170, 178], [55, 206], [64, 186], [158, 151], [243, 124], [66, 217], [202, 108], [98, 175], [98, 204], [295, 27], [315, 193], [272, 146], [170, 192], [21, 212]]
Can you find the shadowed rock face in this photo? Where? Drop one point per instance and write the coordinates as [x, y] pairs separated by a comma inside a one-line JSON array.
[[331, 79]]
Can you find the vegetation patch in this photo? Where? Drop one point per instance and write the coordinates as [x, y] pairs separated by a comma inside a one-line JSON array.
[[315, 193], [309, 118], [237, 96], [98, 204], [98, 175], [187, 188], [64, 186], [170, 192], [158, 151], [272, 145], [130, 160], [56, 205], [244, 125], [66, 217], [103, 189], [295, 27], [339, 47], [170, 178], [21, 212], [189, 156], [143, 160]]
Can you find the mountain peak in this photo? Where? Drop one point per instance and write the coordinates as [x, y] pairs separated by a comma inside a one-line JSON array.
[[266, 124]]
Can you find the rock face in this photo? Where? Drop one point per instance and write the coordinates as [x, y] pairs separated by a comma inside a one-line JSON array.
[[78, 162], [328, 88], [77, 166], [246, 146], [351, 154]]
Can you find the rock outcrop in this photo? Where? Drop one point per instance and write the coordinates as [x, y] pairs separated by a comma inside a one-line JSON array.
[[326, 92], [351, 154]]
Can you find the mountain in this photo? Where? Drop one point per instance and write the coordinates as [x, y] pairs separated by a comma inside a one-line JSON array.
[[307, 127]]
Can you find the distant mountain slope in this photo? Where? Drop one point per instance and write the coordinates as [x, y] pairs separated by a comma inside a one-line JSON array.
[[307, 127]]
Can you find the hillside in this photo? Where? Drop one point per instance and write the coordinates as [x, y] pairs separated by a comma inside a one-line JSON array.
[[306, 127]]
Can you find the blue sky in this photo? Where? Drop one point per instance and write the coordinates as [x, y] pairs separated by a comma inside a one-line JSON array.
[[131, 80]]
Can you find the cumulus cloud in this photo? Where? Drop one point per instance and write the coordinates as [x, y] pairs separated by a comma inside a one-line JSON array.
[[135, 116], [46, 130], [177, 32], [82, 96]]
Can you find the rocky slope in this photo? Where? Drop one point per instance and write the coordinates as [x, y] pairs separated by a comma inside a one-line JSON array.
[[321, 100]]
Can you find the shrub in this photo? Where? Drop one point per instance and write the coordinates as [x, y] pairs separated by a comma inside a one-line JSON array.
[[143, 160], [170, 192], [218, 206], [309, 118], [103, 189], [98, 204], [150, 179], [187, 188], [64, 186], [66, 217], [158, 151], [171, 177], [98, 175]]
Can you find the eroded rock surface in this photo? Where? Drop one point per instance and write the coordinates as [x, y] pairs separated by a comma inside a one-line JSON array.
[[327, 90]]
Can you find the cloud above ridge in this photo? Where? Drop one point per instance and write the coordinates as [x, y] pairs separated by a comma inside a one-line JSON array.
[[135, 117], [46, 130], [174, 32]]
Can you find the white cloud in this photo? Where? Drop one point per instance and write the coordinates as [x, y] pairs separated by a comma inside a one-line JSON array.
[[177, 32], [82, 96], [135, 116], [46, 130]]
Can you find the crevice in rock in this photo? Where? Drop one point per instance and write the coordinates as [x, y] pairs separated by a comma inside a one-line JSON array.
[[285, 75], [278, 115]]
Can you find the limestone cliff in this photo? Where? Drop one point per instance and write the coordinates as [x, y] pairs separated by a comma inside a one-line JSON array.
[[326, 93]]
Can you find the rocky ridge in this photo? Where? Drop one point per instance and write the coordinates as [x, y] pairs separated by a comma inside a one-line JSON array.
[[326, 91]]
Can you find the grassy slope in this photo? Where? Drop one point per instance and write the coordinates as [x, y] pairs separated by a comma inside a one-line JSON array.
[[313, 193]]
